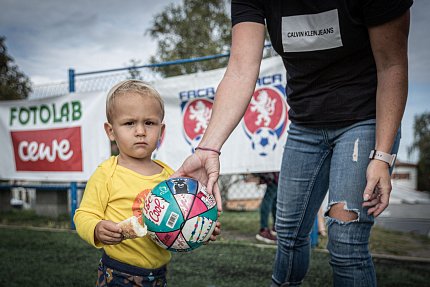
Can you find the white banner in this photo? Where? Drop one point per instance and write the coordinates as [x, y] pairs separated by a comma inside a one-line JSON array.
[[53, 139], [62, 138], [256, 145]]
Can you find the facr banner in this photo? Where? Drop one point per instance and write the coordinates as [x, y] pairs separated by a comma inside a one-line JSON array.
[[256, 145]]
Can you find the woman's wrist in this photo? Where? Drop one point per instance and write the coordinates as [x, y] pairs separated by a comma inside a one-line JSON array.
[[208, 149]]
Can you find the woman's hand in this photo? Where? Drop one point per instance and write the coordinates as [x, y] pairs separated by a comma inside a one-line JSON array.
[[203, 166], [377, 192]]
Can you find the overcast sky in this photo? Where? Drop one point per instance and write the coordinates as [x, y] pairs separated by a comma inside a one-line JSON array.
[[47, 37]]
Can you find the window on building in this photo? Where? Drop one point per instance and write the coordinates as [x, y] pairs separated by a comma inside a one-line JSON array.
[[400, 176]]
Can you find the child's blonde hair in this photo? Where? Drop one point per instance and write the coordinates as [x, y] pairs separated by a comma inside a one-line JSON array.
[[131, 86]]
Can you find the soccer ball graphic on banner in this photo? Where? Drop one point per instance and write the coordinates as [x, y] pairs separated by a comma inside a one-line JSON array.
[[179, 214], [264, 141]]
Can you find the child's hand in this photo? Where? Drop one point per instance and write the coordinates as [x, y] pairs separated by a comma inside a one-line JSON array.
[[217, 231], [108, 232]]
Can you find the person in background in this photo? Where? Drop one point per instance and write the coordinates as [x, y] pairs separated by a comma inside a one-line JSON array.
[[347, 84], [267, 234], [117, 189]]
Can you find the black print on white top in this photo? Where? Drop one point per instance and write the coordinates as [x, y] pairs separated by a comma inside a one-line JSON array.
[[302, 33]]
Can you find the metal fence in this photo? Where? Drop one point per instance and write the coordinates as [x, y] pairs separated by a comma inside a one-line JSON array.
[[103, 80]]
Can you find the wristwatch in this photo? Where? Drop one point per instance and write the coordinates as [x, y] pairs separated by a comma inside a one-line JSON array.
[[383, 156]]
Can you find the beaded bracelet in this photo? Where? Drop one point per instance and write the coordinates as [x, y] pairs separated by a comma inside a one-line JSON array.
[[208, 149]]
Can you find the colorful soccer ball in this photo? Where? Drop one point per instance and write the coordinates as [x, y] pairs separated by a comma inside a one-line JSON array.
[[179, 214]]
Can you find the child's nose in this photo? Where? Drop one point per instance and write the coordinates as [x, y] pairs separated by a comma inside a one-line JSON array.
[[140, 129]]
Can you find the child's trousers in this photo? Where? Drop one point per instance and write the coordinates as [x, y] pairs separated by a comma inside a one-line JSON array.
[[115, 273]]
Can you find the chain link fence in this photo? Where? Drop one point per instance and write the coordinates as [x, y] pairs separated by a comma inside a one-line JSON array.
[[91, 83]]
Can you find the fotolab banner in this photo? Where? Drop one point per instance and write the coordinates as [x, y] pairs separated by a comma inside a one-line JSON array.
[[256, 145], [55, 139]]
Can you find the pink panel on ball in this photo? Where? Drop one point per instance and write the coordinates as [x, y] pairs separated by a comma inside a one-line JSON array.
[[185, 202], [167, 237], [198, 208]]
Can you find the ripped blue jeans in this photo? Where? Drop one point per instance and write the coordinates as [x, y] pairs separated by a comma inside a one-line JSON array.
[[316, 161]]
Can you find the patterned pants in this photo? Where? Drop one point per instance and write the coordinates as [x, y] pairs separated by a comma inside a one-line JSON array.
[[108, 276]]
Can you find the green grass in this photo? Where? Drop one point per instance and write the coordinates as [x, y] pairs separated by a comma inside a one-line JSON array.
[[45, 258], [399, 243], [29, 218], [244, 226], [36, 258]]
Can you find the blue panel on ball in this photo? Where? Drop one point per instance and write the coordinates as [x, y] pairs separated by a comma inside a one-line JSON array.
[[182, 185]]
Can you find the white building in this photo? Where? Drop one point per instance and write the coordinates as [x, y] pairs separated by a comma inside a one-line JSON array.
[[405, 175], [409, 209]]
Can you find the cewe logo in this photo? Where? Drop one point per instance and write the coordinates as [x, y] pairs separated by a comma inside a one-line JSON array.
[[48, 150], [195, 119], [265, 119]]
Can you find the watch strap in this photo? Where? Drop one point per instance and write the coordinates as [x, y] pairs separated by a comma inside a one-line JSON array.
[[383, 156]]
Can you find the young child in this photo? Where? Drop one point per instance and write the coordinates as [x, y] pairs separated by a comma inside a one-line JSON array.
[[117, 189]]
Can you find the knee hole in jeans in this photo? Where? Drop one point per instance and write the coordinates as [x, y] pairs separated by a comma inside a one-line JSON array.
[[340, 212]]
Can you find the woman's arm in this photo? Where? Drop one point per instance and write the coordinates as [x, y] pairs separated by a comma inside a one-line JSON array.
[[231, 100], [389, 45], [238, 84]]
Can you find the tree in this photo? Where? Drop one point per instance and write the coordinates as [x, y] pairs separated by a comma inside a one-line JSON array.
[[14, 85], [422, 144], [191, 29], [133, 72]]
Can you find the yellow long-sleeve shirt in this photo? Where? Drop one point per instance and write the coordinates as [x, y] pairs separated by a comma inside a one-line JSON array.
[[115, 193]]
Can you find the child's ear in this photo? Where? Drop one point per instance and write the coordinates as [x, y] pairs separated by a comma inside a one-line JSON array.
[[109, 131], [163, 126]]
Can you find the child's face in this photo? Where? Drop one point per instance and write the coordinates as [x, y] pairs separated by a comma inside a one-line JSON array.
[[136, 125]]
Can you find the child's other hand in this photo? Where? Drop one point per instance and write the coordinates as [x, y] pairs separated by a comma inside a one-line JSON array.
[[217, 231], [108, 232]]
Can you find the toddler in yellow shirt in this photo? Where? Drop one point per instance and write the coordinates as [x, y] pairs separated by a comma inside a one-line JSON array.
[[117, 189]]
